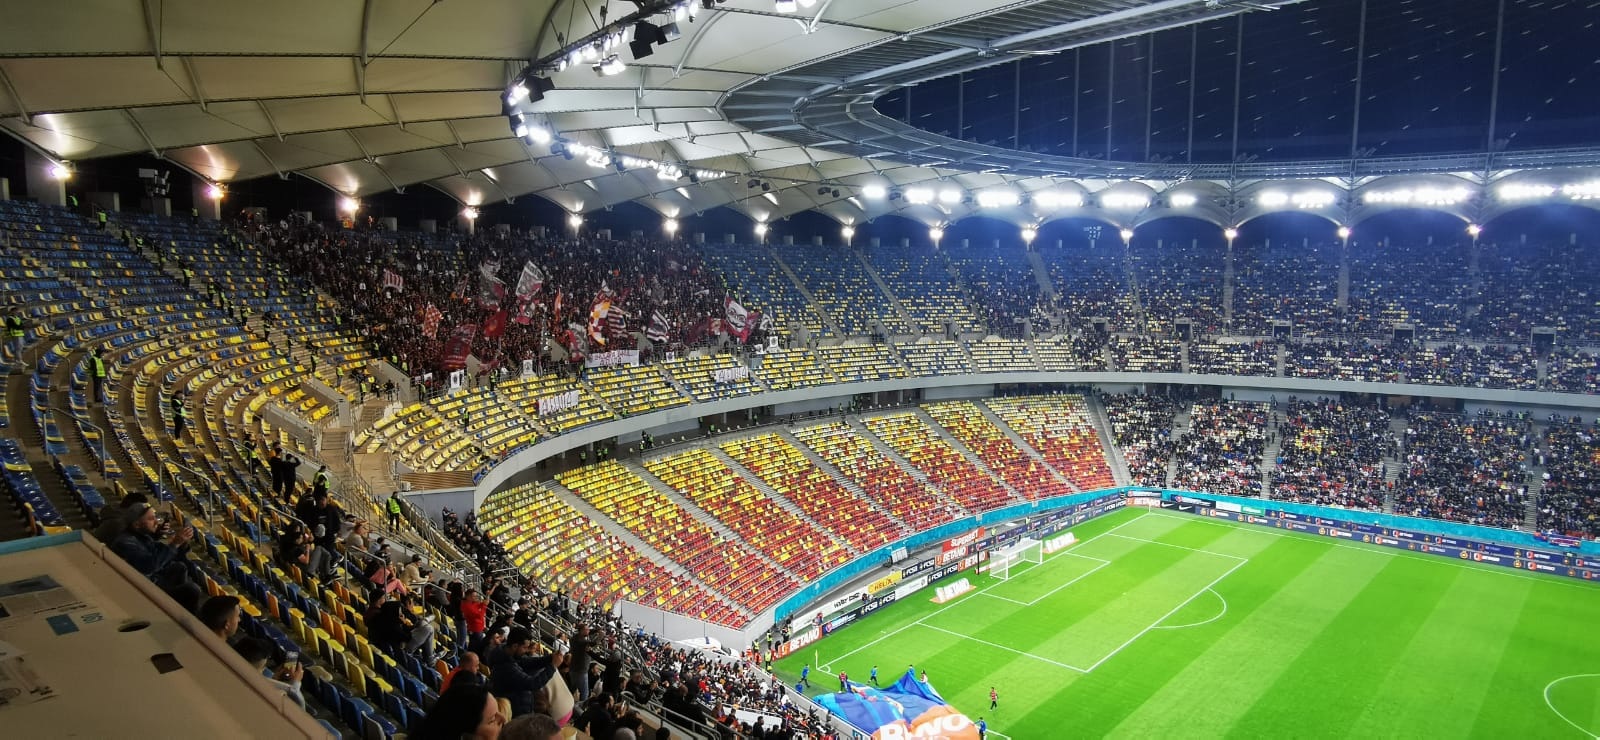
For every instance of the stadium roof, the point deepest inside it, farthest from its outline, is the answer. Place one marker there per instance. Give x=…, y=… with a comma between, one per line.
x=388, y=94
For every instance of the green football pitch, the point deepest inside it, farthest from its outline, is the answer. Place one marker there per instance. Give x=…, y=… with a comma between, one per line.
x=1165, y=625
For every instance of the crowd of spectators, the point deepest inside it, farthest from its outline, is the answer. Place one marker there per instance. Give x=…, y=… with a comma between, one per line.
x=1138, y=353
x=1092, y=284
x=1285, y=282
x=1467, y=366
x=447, y=273
x=1528, y=286
x=1426, y=285
x=1221, y=451
x=1258, y=357
x=1366, y=360
x=1180, y=282
x=1142, y=427
x=1002, y=284
x=1469, y=469
x=1332, y=454
x=1569, y=502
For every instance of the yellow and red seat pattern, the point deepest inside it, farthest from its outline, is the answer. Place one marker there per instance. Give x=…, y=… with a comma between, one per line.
x=1025, y=474
x=895, y=490
x=1059, y=428
x=973, y=488
x=787, y=470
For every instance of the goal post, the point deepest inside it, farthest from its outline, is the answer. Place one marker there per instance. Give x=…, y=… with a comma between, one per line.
x=1026, y=550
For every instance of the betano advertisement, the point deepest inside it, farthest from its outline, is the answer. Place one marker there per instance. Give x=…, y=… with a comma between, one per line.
x=908, y=709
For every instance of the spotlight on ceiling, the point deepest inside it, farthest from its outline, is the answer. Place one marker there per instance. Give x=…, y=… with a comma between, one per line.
x=875, y=192
x=528, y=87
x=610, y=66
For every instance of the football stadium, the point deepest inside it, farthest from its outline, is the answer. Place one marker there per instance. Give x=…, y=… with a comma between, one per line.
x=800, y=369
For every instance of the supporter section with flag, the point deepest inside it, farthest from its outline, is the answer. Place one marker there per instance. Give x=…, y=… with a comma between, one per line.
x=909, y=708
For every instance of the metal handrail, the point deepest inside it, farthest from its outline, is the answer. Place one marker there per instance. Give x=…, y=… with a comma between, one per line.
x=212, y=483
x=103, y=453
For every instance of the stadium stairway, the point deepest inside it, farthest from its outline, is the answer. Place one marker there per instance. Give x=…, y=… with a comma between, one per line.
x=783, y=502
x=704, y=516
x=1269, y=455
x=1102, y=428
x=19, y=393
x=811, y=300
x=843, y=480
x=1041, y=275
x=1022, y=444
x=1394, y=466
x=889, y=452
x=972, y=457
x=883, y=285
x=1180, y=427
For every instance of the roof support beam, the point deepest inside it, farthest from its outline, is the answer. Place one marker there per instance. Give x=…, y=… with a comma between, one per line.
x=395, y=109
x=15, y=98
x=360, y=147
x=454, y=135
x=194, y=82
x=385, y=173
x=366, y=29
x=361, y=79
x=152, y=28
x=142, y=133
x=270, y=120
x=274, y=165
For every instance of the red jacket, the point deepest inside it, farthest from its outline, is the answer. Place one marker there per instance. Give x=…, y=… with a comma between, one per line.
x=476, y=613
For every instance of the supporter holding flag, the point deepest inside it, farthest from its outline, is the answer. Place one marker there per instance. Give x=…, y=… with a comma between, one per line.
x=660, y=329
x=393, y=282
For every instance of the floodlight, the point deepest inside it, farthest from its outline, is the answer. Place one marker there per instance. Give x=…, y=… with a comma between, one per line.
x=785, y=6
x=875, y=192
x=215, y=191
x=575, y=220
x=919, y=196
x=1230, y=233
x=848, y=232
x=1028, y=234
x=1344, y=232
x=670, y=226
x=1273, y=198
x=935, y=233
x=60, y=172
x=1127, y=234
x=1474, y=230
x=611, y=65
x=349, y=205
x=761, y=229
x=1182, y=200
x=469, y=213
x=950, y=196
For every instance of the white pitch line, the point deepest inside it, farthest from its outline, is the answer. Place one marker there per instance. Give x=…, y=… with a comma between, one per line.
x=1376, y=550
x=1220, y=615
x=1575, y=725
x=1003, y=647
x=1180, y=547
x=953, y=603
x=1052, y=592
x=1163, y=618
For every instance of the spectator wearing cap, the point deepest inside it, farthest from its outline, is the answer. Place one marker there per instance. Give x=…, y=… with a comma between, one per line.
x=162, y=562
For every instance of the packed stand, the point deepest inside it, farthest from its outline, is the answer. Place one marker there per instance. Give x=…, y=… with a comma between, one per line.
x=1469, y=469
x=1426, y=285
x=1522, y=287
x=1363, y=360
x=1259, y=358
x=1572, y=370
x=1142, y=426
x=1569, y=502
x=1285, y=282
x=1221, y=452
x=1003, y=284
x=1092, y=283
x=1332, y=454
x=1180, y=282
x=1466, y=366
x=1146, y=354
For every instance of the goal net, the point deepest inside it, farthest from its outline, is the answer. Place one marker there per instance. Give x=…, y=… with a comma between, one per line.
x=1026, y=550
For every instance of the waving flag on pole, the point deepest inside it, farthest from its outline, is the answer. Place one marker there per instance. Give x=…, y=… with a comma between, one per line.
x=530, y=282
x=490, y=288
x=597, y=315
x=495, y=325
x=737, y=319
x=526, y=308
x=394, y=282
x=660, y=329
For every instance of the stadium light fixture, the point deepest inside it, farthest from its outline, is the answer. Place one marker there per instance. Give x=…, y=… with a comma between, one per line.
x=1474, y=230
x=1052, y=199
x=919, y=196
x=1029, y=234
x=575, y=221
x=1230, y=233
x=935, y=233
x=950, y=196
x=1344, y=232
x=610, y=66
x=349, y=205
x=998, y=199
x=670, y=226
x=875, y=192
x=215, y=191
x=1582, y=190
x=1127, y=235
x=1311, y=199
x=1182, y=200
x=469, y=213
x=1423, y=196
x=1273, y=199
x=60, y=171
x=1125, y=201
x=1525, y=191
x=761, y=230
x=848, y=232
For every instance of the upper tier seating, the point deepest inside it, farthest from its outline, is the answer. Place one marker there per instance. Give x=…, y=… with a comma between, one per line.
x=842, y=289
x=698, y=375
x=856, y=363
x=929, y=358
x=793, y=368
x=1177, y=282
x=926, y=291
x=765, y=287
x=1092, y=283
x=1003, y=285
x=639, y=389
x=995, y=355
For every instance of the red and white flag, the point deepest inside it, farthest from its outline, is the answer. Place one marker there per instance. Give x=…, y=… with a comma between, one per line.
x=598, y=310
x=394, y=282
x=430, y=321
x=737, y=319
x=660, y=329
